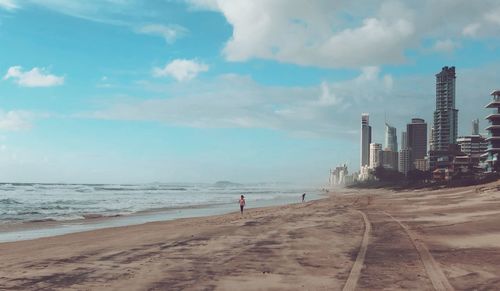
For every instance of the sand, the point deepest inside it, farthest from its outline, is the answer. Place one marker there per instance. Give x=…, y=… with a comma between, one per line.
x=353, y=240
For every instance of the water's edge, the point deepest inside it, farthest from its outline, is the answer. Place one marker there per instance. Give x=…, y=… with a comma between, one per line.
x=34, y=230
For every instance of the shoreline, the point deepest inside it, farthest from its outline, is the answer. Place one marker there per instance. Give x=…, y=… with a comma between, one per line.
x=11, y=232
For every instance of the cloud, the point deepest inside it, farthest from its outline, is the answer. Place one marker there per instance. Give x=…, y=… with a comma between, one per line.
x=493, y=15
x=8, y=5
x=36, y=77
x=107, y=11
x=471, y=29
x=204, y=4
x=169, y=32
x=328, y=98
x=181, y=69
x=335, y=34
x=15, y=120
x=445, y=46
x=235, y=101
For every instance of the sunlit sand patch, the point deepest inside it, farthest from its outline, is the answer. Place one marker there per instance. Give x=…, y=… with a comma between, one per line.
x=490, y=240
x=455, y=217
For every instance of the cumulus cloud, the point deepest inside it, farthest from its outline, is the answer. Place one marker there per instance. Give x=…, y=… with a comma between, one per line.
x=327, y=97
x=181, y=69
x=168, y=32
x=15, y=120
x=36, y=77
x=328, y=33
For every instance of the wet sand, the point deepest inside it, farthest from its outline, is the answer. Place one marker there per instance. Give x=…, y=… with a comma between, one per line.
x=358, y=240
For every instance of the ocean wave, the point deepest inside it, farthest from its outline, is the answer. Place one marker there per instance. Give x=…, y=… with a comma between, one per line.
x=9, y=201
x=100, y=215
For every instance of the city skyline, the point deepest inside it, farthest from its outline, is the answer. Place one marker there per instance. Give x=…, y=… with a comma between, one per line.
x=201, y=91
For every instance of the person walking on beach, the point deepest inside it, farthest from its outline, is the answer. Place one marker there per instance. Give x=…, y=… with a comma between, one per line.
x=242, y=203
x=303, y=197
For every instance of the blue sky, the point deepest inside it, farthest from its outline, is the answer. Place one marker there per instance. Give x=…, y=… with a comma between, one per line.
x=125, y=91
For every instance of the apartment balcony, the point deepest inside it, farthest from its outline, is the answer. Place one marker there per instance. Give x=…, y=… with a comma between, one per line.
x=497, y=138
x=493, y=116
x=493, y=127
x=493, y=104
x=493, y=149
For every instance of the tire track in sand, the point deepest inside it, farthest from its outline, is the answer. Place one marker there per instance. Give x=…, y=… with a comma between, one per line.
x=352, y=280
x=434, y=272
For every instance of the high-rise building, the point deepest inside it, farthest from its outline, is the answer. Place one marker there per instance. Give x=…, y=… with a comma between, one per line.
x=390, y=159
x=339, y=176
x=375, y=155
x=404, y=140
x=431, y=139
x=475, y=127
x=391, y=139
x=404, y=160
x=416, y=133
x=493, y=150
x=473, y=146
x=446, y=115
x=422, y=164
x=404, y=154
x=366, y=139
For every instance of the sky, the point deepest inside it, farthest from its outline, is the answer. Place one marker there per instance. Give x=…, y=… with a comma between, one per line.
x=130, y=91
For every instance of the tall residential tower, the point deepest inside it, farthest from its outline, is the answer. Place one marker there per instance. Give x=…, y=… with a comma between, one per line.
x=446, y=115
x=366, y=139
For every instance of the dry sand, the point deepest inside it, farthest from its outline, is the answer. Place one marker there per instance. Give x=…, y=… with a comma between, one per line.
x=358, y=240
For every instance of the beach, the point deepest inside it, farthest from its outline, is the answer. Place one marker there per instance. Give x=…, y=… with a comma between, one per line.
x=351, y=240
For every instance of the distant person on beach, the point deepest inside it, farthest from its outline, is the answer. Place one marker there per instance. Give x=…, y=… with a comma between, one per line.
x=303, y=197
x=242, y=203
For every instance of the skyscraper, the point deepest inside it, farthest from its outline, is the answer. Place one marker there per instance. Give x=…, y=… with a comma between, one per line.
x=404, y=160
x=431, y=139
x=475, y=127
x=446, y=115
x=404, y=154
x=391, y=139
x=416, y=139
x=366, y=139
x=404, y=140
x=375, y=155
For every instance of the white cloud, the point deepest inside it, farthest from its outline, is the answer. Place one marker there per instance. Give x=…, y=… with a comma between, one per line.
x=445, y=46
x=229, y=101
x=15, y=120
x=294, y=33
x=36, y=77
x=493, y=15
x=169, y=32
x=181, y=69
x=328, y=98
x=471, y=29
x=8, y=5
x=327, y=33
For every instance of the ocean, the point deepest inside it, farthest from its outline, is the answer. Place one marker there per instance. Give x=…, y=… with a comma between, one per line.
x=74, y=207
